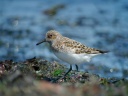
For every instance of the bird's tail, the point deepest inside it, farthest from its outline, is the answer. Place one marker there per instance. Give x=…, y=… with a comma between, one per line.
x=103, y=52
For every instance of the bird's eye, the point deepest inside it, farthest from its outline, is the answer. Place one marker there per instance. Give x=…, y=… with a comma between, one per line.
x=49, y=36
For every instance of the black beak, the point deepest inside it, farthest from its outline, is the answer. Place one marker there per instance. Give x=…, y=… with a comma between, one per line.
x=41, y=42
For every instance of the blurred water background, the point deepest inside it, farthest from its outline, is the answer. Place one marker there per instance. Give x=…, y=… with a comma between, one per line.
x=100, y=24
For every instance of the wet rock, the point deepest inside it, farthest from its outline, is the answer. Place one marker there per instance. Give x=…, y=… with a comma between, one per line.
x=2, y=69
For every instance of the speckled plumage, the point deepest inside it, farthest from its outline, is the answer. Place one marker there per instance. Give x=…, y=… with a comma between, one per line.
x=64, y=44
x=69, y=50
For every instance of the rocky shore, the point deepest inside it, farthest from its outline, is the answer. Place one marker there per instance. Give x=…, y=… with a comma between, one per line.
x=34, y=77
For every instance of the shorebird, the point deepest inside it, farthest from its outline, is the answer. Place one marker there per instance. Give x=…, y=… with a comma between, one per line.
x=69, y=50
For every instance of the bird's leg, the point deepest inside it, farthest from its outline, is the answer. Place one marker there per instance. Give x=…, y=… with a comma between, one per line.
x=68, y=71
x=76, y=67
x=54, y=81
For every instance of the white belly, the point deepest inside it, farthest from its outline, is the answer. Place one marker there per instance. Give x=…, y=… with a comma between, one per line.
x=74, y=58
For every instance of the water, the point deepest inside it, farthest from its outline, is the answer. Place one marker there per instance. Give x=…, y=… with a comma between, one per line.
x=97, y=23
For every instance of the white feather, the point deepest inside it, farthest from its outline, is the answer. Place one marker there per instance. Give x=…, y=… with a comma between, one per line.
x=74, y=58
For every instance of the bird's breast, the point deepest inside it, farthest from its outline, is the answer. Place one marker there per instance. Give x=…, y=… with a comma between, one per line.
x=72, y=58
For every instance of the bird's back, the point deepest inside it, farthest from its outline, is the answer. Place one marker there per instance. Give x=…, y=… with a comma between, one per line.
x=68, y=45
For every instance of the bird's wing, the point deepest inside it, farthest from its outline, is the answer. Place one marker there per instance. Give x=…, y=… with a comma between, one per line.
x=78, y=48
x=68, y=45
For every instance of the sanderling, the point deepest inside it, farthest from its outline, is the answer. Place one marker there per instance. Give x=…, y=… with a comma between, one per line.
x=69, y=50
